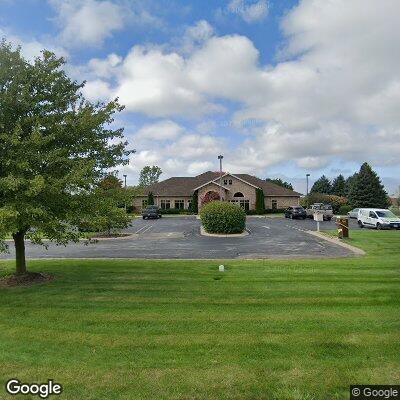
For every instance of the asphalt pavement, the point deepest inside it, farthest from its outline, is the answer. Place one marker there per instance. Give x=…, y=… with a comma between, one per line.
x=179, y=238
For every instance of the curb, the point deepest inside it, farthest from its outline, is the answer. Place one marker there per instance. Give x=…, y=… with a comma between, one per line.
x=234, y=235
x=338, y=242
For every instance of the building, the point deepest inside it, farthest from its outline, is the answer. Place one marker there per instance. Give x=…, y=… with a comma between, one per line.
x=241, y=189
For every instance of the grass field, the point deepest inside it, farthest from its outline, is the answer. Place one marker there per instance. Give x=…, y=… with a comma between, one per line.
x=287, y=330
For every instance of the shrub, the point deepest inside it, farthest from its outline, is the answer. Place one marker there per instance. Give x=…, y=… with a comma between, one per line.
x=343, y=210
x=209, y=197
x=223, y=217
x=175, y=211
x=335, y=201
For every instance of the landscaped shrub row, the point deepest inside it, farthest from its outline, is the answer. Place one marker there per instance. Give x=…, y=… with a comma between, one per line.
x=343, y=210
x=223, y=217
x=175, y=211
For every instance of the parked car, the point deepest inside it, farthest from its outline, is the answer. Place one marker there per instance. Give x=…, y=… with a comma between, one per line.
x=325, y=209
x=151, y=212
x=353, y=213
x=295, y=212
x=378, y=218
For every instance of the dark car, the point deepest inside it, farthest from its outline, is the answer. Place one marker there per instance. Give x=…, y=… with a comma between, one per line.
x=151, y=212
x=295, y=212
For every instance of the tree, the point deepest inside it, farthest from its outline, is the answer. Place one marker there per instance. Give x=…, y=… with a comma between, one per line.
x=194, y=207
x=339, y=186
x=54, y=149
x=322, y=185
x=367, y=190
x=150, y=199
x=260, y=204
x=111, y=181
x=149, y=175
x=209, y=197
x=349, y=182
x=281, y=183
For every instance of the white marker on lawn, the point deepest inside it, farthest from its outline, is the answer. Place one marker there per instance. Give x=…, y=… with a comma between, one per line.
x=221, y=268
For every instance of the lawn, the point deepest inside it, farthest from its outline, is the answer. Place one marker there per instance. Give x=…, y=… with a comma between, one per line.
x=287, y=330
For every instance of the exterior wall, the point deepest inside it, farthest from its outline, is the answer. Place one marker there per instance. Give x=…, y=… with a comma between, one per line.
x=282, y=201
x=249, y=192
x=137, y=201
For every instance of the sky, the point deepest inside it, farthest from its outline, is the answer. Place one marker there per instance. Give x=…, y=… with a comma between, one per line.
x=281, y=88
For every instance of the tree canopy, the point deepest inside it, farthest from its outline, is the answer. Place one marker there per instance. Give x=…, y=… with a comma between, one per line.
x=281, y=183
x=367, y=190
x=339, y=186
x=149, y=175
x=55, y=147
x=321, y=185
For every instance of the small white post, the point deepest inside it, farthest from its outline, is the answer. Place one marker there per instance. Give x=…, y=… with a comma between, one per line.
x=221, y=268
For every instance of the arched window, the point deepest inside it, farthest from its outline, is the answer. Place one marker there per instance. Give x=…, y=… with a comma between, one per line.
x=238, y=194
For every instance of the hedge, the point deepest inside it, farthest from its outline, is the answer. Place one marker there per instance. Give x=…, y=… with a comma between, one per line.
x=175, y=211
x=223, y=217
x=343, y=210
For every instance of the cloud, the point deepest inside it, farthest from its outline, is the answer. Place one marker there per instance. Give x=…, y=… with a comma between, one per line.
x=160, y=131
x=87, y=22
x=333, y=94
x=249, y=11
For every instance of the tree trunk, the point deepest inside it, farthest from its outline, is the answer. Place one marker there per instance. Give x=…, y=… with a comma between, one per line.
x=19, y=242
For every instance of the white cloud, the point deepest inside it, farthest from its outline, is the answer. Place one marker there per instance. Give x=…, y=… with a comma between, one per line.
x=87, y=22
x=249, y=11
x=196, y=35
x=96, y=90
x=333, y=95
x=160, y=131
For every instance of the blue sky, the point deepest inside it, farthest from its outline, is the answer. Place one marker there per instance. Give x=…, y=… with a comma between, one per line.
x=281, y=88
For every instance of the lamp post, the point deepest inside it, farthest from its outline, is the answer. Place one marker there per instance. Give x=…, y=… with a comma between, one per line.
x=220, y=157
x=307, y=175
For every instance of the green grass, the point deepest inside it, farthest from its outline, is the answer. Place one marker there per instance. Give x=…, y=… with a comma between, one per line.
x=290, y=330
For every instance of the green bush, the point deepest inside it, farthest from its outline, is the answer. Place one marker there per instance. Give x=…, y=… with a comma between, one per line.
x=223, y=217
x=343, y=210
x=175, y=211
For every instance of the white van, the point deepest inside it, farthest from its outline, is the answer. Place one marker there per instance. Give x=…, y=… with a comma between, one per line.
x=377, y=218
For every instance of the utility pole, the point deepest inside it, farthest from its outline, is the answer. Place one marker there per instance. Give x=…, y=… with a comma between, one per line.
x=307, y=175
x=220, y=157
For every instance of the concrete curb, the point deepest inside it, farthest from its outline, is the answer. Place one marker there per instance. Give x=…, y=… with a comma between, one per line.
x=338, y=242
x=234, y=235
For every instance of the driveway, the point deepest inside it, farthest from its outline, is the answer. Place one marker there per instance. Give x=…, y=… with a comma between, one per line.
x=179, y=238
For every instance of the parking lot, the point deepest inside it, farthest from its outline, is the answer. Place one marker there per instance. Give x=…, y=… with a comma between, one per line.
x=179, y=238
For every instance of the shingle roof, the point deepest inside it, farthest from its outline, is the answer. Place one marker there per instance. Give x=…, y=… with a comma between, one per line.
x=183, y=186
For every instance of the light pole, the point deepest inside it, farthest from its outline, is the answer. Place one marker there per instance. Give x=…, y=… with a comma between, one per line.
x=307, y=175
x=220, y=157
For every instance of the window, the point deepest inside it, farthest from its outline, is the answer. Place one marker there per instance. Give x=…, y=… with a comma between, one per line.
x=225, y=181
x=274, y=204
x=238, y=194
x=189, y=203
x=372, y=214
x=144, y=203
x=245, y=204
x=179, y=204
x=230, y=181
x=165, y=204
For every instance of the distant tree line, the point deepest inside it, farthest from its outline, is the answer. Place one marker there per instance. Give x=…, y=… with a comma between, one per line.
x=363, y=189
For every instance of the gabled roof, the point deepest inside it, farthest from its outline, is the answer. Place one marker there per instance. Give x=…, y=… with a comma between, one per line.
x=185, y=186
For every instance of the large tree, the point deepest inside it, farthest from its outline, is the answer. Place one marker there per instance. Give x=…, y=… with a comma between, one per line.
x=339, y=186
x=367, y=191
x=54, y=150
x=149, y=175
x=280, y=182
x=321, y=185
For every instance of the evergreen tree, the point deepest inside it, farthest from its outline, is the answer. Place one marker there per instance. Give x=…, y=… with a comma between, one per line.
x=260, y=204
x=281, y=183
x=367, y=190
x=349, y=182
x=322, y=185
x=150, y=199
x=194, y=208
x=339, y=186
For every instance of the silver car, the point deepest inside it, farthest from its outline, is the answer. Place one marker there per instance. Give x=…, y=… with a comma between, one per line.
x=353, y=213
